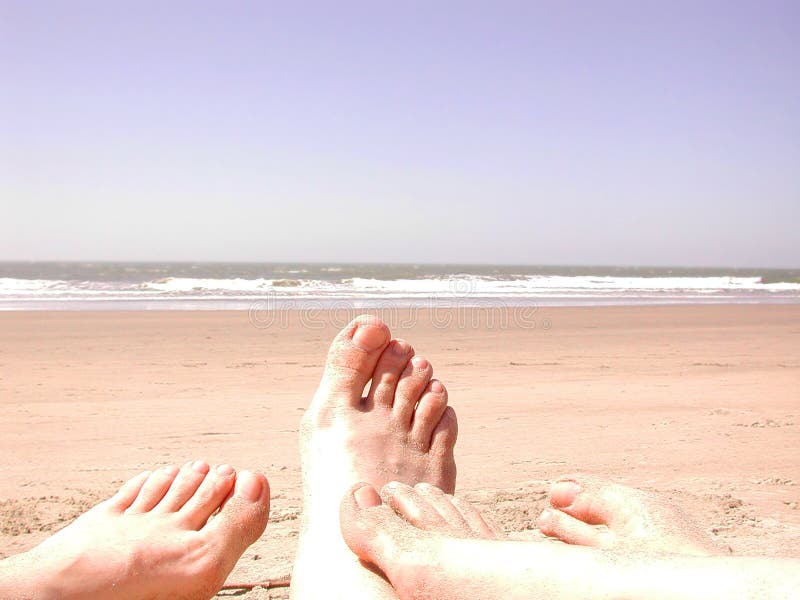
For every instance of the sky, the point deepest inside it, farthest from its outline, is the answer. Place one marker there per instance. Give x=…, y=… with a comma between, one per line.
x=596, y=132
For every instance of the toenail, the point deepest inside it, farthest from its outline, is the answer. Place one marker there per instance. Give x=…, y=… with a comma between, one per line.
x=200, y=467
x=437, y=387
x=368, y=337
x=563, y=493
x=367, y=497
x=171, y=470
x=546, y=514
x=248, y=486
x=225, y=470
x=419, y=363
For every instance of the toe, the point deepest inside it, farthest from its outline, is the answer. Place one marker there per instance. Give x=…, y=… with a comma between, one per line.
x=129, y=491
x=185, y=485
x=428, y=413
x=243, y=518
x=415, y=507
x=352, y=358
x=387, y=373
x=444, y=436
x=566, y=528
x=631, y=516
x=379, y=537
x=410, y=388
x=153, y=489
x=479, y=525
x=443, y=504
x=208, y=497
x=563, y=492
x=360, y=514
x=371, y=529
x=594, y=502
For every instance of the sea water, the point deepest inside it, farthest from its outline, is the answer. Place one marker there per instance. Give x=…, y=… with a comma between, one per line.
x=272, y=286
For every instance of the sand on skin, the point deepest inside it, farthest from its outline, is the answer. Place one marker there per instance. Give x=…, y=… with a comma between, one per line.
x=701, y=402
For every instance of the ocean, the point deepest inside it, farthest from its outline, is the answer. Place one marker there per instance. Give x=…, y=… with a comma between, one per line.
x=276, y=286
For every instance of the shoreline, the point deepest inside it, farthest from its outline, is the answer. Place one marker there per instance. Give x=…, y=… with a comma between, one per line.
x=261, y=304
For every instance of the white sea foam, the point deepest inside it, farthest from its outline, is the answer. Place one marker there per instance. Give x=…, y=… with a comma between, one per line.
x=545, y=284
x=441, y=290
x=185, y=284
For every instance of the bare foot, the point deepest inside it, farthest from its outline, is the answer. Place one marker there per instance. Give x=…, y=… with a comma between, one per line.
x=153, y=539
x=401, y=430
x=430, y=545
x=424, y=560
x=632, y=518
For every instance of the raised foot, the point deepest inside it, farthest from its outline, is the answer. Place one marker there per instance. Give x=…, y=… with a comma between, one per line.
x=401, y=429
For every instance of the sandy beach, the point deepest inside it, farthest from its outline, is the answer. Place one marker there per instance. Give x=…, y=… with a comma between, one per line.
x=701, y=402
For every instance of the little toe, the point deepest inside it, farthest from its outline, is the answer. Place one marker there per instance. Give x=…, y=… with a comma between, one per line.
x=129, y=491
x=352, y=358
x=153, y=489
x=428, y=413
x=185, y=485
x=243, y=518
x=410, y=388
x=480, y=526
x=208, y=497
x=387, y=373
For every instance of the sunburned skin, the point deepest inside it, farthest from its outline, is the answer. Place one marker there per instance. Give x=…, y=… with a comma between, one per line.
x=155, y=538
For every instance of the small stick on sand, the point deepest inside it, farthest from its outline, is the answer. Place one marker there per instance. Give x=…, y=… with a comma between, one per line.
x=267, y=585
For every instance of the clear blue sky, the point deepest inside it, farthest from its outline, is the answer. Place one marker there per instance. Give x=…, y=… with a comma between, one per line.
x=658, y=133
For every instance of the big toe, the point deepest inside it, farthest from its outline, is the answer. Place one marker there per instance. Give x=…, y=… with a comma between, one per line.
x=597, y=503
x=372, y=530
x=242, y=519
x=352, y=358
x=381, y=538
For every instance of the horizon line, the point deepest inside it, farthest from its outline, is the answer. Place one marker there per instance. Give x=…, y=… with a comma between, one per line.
x=392, y=263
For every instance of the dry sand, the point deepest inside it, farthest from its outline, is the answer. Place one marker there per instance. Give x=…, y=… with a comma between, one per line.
x=700, y=402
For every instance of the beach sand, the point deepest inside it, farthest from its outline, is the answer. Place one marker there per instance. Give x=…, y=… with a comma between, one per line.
x=700, y=402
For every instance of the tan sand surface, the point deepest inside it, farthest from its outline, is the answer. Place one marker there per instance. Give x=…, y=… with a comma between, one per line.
x=701, y=402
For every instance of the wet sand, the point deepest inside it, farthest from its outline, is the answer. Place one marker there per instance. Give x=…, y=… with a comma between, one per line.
x=701, y=402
